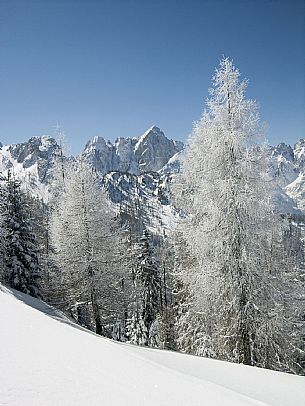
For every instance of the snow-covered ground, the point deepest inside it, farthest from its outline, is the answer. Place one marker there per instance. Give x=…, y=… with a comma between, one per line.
x=46, y=360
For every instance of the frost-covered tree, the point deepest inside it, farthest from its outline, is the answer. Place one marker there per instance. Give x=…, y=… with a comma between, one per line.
x=136, y=332
x=49, y=285
x=147, y=294
x=2, y=230
x=82, y=228
x=235, y=284
x=21, y=249
x=191, y=332
x=164, y=327
x=136, y=329
x=61, y=153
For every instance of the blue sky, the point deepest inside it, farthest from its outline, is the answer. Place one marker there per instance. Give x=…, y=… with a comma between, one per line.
x=114, y=68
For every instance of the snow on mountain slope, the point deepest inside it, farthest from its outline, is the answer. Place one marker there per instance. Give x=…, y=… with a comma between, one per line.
x=46, y=362
x=146, y=153
x=142, y=199
x=296, y=190
x=153, y=150
x=32, y=162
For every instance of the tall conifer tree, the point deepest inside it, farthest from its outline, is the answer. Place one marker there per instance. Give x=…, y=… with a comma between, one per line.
x=21, y=248
x=229, y=229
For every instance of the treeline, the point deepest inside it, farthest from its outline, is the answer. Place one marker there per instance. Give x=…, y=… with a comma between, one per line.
x=227, y=282
x=79, y=253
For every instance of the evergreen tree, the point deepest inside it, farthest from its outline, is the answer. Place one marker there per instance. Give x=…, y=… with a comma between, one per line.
x=233, y=281
x=147, y=294
x=136, y=329
x=165, y=323
x=22, y=267
x=3, y=270
x=49, y=283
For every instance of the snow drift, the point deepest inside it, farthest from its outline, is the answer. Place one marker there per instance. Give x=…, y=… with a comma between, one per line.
x=47, y=360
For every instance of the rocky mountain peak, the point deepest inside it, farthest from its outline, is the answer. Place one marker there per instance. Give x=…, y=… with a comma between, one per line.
x=151, y=154
x=152, y=132
x=146, y=153
x=299, y=152
x=31, y=162
x=96, y=143
x=35, y=147
x=284, y=151
x=154, y=149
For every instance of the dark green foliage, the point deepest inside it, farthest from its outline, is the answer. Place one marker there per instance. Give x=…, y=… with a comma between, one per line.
x=21, y=257
x=148, y=274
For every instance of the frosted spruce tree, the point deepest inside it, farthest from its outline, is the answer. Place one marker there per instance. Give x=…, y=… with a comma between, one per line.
x=145, y=304
x=164, y=327
x=3, y=271
x=22, y=271
x=232, y=282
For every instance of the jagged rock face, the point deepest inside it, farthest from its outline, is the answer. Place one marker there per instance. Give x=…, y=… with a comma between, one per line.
x=106, y=157
x=124, y=157
x=283, y=150
x=31, y=162
x=296, y=191
x=141, y=163
x=144, y=200
x=173, y=165
x=289, y=173
x=98, y=154
x=147, y=153
x=153, y=150
x=39, y=151
x=299, y=154
x=283, y=166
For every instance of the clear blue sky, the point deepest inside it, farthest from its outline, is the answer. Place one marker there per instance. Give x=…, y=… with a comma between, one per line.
x=114, y=68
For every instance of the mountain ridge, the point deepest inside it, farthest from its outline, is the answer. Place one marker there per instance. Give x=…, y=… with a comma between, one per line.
x=150, y=153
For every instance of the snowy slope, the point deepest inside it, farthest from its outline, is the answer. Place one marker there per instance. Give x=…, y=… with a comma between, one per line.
x=45, y=360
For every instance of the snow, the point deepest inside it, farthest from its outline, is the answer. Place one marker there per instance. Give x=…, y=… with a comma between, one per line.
x=48, y=360
x=173, y=165
x=27, y=175
x=296, y=190
x=46, y=142
x=151, y=151
x=142, y=138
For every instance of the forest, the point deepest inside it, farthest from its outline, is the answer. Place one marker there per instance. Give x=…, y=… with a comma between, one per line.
x=225, y=281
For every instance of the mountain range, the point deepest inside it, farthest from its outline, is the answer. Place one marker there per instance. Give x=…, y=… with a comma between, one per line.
x=141, y=168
